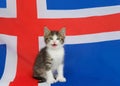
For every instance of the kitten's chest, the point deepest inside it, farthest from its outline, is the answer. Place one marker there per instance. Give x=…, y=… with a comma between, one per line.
x=57, y=55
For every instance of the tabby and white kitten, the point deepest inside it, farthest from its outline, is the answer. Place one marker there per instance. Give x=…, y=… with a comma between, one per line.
x=51, y=58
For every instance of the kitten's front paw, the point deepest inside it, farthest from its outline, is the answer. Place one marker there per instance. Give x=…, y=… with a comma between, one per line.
x=61, y=79
x=51, y=81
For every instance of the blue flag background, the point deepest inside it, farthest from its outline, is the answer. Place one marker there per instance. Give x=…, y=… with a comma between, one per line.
x=2, y=3
x=79, y=4
x=92, y=64
x=2, y=58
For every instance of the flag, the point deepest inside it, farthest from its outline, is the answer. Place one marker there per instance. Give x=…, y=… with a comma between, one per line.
x=8, y=59
x=91, y=45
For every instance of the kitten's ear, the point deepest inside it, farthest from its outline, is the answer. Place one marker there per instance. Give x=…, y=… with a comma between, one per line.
x=63, y=31
x=46, y=31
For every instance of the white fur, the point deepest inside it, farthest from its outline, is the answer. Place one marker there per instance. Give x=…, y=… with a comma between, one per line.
x=57, y=54
x=50, y=77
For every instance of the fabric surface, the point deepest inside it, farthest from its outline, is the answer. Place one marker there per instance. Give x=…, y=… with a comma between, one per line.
x=92, y=43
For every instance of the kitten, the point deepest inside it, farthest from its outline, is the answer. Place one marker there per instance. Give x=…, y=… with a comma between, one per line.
x=51, y=58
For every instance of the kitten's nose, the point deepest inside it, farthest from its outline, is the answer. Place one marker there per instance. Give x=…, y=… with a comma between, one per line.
x=54, y=42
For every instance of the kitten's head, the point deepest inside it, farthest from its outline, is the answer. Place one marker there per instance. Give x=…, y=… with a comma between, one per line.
x=54, y=39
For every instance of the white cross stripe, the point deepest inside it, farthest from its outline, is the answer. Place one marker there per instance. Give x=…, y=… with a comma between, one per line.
x=42, y=11
x=11, y=59
x=87, y=38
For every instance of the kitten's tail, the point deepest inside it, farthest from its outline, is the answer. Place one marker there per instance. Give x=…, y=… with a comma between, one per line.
x=41, y=79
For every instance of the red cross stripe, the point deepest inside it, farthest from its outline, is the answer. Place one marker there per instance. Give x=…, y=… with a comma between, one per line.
x=27, y=27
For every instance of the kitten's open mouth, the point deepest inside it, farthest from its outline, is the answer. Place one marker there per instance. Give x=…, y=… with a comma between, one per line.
x=54, y=45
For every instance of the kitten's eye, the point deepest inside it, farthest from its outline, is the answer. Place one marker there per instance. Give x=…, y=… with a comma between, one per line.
x=51, y=38
x=58, y=38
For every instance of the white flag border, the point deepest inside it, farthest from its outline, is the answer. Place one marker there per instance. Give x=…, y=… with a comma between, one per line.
x=11, y=59
x=42, y=11
x=10, y=11
x=87, y=38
